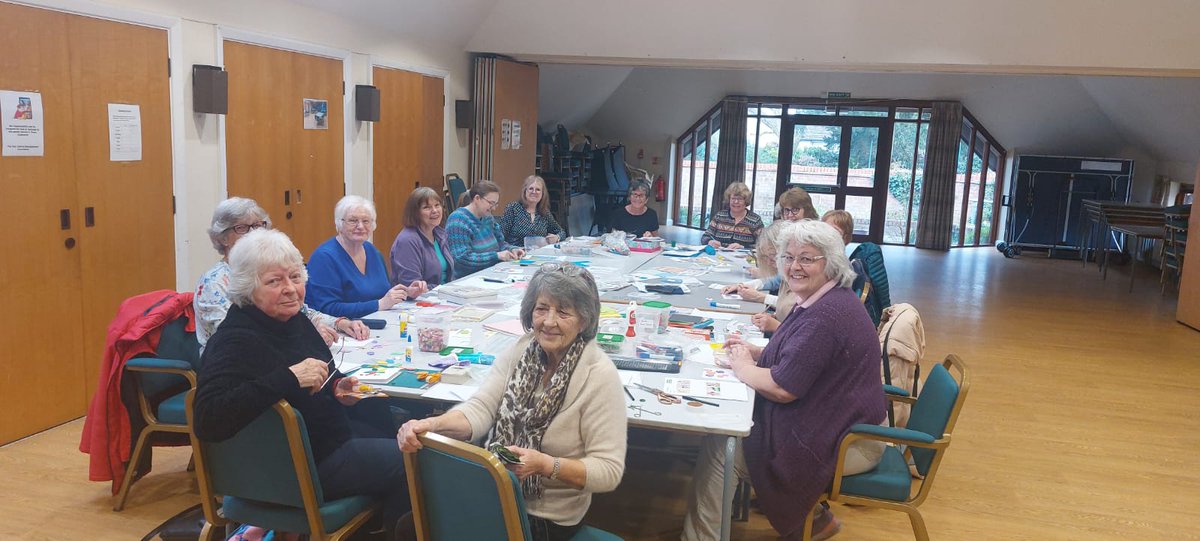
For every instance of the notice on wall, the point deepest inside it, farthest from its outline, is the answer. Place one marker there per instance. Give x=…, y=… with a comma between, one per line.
x=516, y=135
x=505, y=134
x=21, y=121
x=315, y=114
x=124, y=132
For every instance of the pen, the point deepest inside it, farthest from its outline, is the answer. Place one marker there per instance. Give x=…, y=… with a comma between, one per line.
x=686, y=397
x=716, y=304
x=495, y=280
x=629, y=393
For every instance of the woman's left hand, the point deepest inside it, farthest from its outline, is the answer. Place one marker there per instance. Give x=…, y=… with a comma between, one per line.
x=534, y=462
x=734, y=246
x=416, y=289
x=740, y=358
x=551, y=239
x=344, y=391
x=354, y=329
x=329, y=334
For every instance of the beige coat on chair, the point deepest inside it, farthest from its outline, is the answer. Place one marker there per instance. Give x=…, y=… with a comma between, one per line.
x=902, y=336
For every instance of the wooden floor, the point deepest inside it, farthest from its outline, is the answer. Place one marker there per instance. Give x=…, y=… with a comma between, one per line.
x=1082, y=423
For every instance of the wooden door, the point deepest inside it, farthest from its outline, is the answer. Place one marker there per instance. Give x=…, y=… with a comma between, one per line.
x=407, y=145
x=42, y=367
x=127, y=217
x=295, y=174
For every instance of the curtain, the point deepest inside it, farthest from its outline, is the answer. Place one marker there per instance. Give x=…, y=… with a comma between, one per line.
x=731, y=154
x=941, y=167
x=483, y=96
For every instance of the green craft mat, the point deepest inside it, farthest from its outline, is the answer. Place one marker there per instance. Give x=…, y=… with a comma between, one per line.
x=408, y=378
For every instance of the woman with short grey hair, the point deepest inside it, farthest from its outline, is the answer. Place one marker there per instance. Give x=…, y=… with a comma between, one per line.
x=349, y=277
x=267, y=351
x=817, y=377
x=554, y=399
x=233, y=219
x=636, y=217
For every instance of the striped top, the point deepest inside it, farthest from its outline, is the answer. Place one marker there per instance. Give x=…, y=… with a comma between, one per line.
x=723, y=229
x=473, y=241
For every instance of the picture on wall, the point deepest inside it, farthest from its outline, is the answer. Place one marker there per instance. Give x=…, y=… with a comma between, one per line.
x=315, y=114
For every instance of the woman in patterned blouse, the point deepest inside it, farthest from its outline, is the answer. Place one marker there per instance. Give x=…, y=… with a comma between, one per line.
x=735, y=226
x=530, y=216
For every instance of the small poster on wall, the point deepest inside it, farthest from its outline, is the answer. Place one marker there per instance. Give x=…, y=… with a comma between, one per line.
x=124, y=132
x=505, y=134
x=516, y=135
x=22, y=123
x=315, y=114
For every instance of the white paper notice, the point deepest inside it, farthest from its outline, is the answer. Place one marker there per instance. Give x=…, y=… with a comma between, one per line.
x=516, y=135
x=124, y=132
x=505, y=134
x=21, y=113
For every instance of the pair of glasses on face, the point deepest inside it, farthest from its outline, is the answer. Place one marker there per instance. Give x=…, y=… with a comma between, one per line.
x=568, y=269
x=803, y=260
x=792, y=212
x=355, y=222
x=491, y=202
x=242, y=229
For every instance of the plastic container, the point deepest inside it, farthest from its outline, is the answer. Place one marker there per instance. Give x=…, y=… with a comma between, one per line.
x=576, y=248
x=534, y=242
x=656, y=312
x=432, y=333
x=610, y=342
x=644, y=245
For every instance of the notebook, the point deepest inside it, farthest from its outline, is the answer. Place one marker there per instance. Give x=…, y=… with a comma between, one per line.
x=511, y=326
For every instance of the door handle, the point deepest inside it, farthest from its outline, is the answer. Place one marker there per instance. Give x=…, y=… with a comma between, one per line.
x=287, y=197
x=299, y=197
x=89, y=216
x=64, y=219
x=69, y=243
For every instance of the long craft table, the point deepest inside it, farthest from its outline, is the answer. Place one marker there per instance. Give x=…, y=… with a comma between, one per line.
x=732, y=418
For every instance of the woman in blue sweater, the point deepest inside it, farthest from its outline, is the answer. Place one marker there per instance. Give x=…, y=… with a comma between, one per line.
x=346, y=274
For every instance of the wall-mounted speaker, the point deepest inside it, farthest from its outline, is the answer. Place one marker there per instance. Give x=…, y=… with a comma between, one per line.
x=366, y=103
x=464, y=114
x=210, y=89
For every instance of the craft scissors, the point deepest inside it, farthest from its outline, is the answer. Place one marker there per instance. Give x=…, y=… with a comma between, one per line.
x=663, y=397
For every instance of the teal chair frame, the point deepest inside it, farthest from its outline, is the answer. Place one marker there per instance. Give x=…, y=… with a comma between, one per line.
x=155, y=376
x=460, y=491
x=924, y=440
x=268, y=478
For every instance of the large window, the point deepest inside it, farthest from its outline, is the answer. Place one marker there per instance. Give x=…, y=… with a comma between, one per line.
x=842, y=153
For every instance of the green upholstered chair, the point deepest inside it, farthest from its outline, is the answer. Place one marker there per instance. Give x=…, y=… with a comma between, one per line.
x=457, y=188
x=158, y=385
x=267, y=478
x=924, y=440
x=460, y=491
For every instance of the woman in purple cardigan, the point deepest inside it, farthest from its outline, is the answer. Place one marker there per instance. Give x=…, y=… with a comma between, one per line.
x=420, y=251
x=817, y=377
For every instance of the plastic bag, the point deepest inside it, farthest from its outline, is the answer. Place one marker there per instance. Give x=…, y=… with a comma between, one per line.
x=615, y=243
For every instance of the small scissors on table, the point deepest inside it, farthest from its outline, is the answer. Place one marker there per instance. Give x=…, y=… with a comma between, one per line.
x=663, y=398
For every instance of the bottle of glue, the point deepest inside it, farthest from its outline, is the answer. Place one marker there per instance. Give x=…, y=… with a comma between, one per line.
x=408, y=350
x=630, y=332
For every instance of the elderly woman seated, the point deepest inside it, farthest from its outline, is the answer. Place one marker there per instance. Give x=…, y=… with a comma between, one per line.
x=554, y=399
x=265, y=351
x=349, y=277
x=232, y=219
x=817, y=377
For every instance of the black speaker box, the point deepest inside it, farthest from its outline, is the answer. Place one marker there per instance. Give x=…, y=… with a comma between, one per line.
x=464, y=114
x=366, y=103
x=210, y=89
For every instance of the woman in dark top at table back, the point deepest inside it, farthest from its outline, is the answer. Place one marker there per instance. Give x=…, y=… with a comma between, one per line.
x=636, y=218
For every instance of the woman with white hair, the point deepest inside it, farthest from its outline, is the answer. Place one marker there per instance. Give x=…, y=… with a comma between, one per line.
x=554, y=399
x=233, y=219
x=348, y=275
x=817, y=377
x=266, y=351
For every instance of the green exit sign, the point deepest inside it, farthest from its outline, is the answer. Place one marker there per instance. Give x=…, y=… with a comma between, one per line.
x=837, y=95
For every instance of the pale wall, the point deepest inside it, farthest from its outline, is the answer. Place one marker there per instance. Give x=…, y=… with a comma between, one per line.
x=201, y=187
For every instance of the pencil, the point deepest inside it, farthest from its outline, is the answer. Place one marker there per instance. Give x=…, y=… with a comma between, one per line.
x=713, y=404
x=629, y=393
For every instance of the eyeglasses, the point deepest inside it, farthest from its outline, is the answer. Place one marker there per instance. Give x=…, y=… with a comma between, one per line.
x=491, y=202
x=791, y=212
x=637, y=195
x=569, y=269
x=242, y=229
x=355, y=223
x=737, y=198
x=804, y=261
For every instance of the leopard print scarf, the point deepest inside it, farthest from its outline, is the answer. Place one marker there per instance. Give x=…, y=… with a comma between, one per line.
x=524, y=416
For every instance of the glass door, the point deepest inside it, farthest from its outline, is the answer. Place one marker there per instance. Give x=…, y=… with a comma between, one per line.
x=841, y=162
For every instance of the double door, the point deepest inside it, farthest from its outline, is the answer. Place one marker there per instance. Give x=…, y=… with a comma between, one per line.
x=84, y=232
x=842, y=162
x=292, y=168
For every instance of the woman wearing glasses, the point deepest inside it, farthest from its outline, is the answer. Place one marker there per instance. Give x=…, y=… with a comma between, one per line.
x=734, y=226
x=232, y=219
x=554, y=400
x=475, y=239
x=266, y=351
x=636, y=218
x=795, y=205
x=817, y=377
x=530, y=216
x=347, y=272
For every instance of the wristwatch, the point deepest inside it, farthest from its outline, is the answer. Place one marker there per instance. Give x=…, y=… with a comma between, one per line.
x=554, y=471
